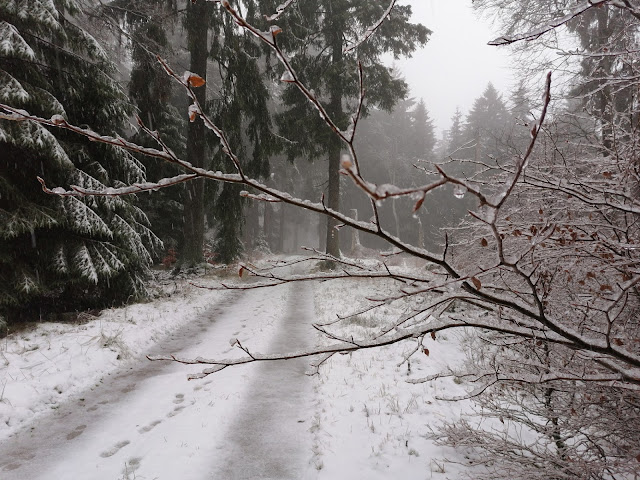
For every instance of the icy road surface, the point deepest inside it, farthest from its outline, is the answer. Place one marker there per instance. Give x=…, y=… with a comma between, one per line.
x=149, y=422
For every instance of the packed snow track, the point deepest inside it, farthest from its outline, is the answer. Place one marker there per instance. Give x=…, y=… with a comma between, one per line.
x=149, y=422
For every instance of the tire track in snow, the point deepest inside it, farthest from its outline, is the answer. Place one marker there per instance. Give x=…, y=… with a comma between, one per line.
x=33, y=449
x=269, y=437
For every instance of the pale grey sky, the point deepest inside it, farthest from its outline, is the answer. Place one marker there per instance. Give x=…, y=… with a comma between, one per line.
x=455, y=66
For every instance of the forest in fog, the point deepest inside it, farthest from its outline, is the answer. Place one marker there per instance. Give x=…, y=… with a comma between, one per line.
x=106, y=81
x=139, y=135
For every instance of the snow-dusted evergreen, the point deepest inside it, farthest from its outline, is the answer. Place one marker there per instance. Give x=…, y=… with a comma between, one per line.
x=63, y=252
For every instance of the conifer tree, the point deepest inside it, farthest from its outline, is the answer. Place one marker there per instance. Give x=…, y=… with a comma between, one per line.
x=601, y=31
x=423, y=138
x=153, y=92
x=66, y=252
x=242, y=110
x=520, y=113
x=319, y=33
x=485, y=124
x=235, y=96
x=597, y=36
x=455, y=136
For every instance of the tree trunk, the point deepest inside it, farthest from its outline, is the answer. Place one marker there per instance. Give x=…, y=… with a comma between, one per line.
x=322, y=228
x=420, y=232
x=355, y=234
x=252, y=225
x=267, y=225
x=337, y=26
x=607, y=105
x=333, y=201
x=283, y=214
x=197, y=28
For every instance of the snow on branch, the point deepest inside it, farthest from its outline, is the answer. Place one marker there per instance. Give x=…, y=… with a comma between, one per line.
x=511, y=287
x=352, y=345
x=371, y=30
x=280, y=9
x=539, y=31
x=273, y=279
x=77, y=191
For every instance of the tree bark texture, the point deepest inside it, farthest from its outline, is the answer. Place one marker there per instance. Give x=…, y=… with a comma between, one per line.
x=197, y=28
x=336, y=88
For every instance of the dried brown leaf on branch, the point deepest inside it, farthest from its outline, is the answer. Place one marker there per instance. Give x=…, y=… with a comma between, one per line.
x=419, y=203
x=195, y=80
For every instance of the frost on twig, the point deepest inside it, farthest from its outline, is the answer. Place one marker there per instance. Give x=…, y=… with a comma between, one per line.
x=280, y=9
x=372, y=29
x=539, y=31
x=503, y=274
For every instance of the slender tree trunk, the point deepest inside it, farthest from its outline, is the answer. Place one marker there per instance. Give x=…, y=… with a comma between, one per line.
x=355, y=234
x=283, y=214
x=420, y=233
x=197, y=28
x=322, y=228
x=252, y=226
x=394, y=210
x=552, y=415
x=267, y=225
x=333, y=202
x=296, y=234
x=336, y=88
x=607, y=105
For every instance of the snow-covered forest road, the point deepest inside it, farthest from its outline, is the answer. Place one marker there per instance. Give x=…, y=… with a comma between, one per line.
x=148, y=422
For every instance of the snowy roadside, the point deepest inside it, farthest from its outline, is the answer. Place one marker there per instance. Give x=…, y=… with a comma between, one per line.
x=42, y=367
x=366, y=421
x=369, y=422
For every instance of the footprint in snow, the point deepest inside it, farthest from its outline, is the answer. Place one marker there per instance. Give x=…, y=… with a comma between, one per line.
x=176, y=411
x=113, y=450
x=129, y=388
x=76, y=432
x=131, y=466
x=179, y=398
x=151, y=426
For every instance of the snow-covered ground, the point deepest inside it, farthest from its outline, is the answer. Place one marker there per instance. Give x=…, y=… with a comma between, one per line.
x=362, y=420
x=370, y=423
x=40, y=368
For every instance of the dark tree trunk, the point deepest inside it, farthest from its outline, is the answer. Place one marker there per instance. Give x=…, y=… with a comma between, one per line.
x=197, y=28
x=335, y=110
x=252, y=225
x=333, y=201
x=322, y=228
x=267, y=225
